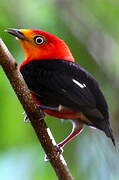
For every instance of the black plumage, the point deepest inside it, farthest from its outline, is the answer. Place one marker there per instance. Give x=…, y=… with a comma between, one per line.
x=60, y=82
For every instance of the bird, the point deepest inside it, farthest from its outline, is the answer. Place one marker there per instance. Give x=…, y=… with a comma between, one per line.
x=59, y=85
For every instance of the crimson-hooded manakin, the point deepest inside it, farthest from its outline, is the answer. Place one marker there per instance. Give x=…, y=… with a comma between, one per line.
x=59, y=85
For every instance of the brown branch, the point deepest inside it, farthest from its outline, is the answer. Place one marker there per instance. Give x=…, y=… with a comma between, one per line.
x=10, y=68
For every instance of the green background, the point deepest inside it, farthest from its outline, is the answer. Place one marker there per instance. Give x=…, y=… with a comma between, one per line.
x=91, y=29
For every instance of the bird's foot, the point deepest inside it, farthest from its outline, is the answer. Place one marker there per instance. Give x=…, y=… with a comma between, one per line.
x=59, y=151
x=26, y=119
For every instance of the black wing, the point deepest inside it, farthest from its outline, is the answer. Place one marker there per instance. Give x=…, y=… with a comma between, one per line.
x=60, y=82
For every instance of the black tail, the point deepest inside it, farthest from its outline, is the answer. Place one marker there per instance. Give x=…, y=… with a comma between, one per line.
x=105, y=126
x=109, y=133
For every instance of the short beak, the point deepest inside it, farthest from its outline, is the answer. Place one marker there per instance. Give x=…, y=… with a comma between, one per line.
x=17, y=33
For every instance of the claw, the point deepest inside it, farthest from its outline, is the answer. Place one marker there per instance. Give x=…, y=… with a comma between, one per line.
x=46, y=158
x=59, y=149
x=26, y=119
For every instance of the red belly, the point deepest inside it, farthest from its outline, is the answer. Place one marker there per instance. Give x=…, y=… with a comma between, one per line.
x=65, y=114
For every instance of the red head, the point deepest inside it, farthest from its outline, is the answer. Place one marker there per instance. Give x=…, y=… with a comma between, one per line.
x=38, y=44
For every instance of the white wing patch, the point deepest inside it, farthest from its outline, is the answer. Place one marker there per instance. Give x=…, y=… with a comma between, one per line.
x=64, y=90
x=78, y=83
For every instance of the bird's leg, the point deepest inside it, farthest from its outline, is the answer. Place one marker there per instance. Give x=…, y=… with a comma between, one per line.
x=77, y=128
x=48, y=108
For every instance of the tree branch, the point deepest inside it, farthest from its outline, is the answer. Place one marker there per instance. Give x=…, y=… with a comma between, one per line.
x=10, y=68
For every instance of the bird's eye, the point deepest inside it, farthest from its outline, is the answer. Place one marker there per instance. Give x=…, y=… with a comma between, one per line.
x=39, y=39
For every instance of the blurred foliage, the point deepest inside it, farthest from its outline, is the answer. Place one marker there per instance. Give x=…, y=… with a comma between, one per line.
x=91, y=30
